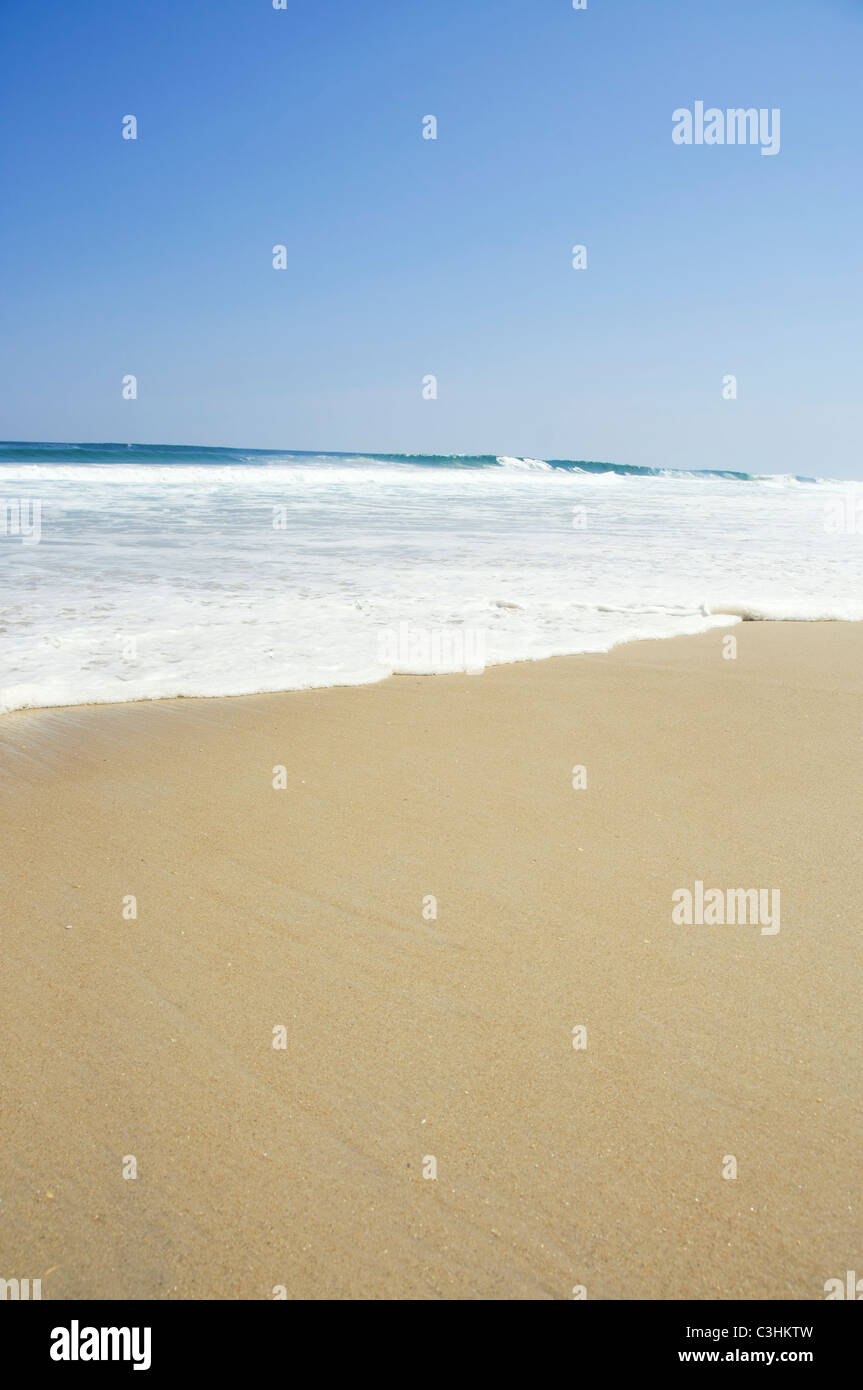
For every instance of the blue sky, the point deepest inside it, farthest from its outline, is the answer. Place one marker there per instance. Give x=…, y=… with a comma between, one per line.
x=409, y=257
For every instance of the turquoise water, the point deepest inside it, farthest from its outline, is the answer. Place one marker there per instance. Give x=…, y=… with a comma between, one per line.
x=201, y=455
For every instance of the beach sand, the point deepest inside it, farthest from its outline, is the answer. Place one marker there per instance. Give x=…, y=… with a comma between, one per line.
x=410, y=1037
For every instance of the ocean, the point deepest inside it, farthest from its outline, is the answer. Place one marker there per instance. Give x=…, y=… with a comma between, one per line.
x=134, y=572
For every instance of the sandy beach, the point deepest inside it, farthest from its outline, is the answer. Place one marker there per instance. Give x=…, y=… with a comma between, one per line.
x=418, y=1030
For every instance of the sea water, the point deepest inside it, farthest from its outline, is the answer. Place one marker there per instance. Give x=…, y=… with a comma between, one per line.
x=133, y=572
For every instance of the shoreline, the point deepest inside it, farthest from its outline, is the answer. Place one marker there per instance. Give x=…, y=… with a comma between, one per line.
x=732, y=616
x=732, y=620
x=411, y=1036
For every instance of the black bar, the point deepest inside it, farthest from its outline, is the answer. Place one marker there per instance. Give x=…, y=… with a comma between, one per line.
x=225, y=1338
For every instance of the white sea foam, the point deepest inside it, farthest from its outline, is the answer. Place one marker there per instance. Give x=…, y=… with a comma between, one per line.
x=524, y=465
x=156, y=580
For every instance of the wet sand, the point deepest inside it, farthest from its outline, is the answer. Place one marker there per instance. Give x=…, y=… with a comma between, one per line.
x=411, y=1037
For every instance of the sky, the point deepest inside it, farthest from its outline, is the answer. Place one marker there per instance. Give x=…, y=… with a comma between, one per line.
x=409, y=257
